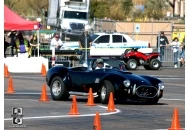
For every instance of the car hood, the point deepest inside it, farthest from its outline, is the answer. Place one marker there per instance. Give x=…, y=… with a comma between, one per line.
x=137, y=79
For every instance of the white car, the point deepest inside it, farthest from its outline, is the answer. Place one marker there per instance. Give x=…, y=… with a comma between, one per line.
x=110, y=44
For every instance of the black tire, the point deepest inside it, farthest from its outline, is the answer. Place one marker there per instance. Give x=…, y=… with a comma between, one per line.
x=63, y=93
x=132, y=64
x=106, y=89
x=147, y=67
x=155, y=64
x=152, y=101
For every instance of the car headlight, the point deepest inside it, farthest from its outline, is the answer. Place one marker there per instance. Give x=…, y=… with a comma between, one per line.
x=161, y=85
x=127, y=83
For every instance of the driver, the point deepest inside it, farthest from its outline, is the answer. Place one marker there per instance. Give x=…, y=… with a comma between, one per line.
x=99, y=64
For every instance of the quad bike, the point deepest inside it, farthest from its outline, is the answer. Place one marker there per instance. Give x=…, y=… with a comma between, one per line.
x=134, y=58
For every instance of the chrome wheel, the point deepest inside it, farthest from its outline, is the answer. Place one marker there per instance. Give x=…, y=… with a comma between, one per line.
x=103, y=92
x=155, y=64
x=133, y=65
x=56, y=88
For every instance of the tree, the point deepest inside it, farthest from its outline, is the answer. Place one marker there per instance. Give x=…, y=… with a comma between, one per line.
x=155, y=9
x=127, y=6
x=39, y=6
x=11, y=3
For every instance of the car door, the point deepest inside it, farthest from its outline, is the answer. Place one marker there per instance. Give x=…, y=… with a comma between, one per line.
x=101, y=46
x=119, y=43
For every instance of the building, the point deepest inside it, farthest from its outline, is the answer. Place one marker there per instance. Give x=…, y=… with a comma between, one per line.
x=177, y=7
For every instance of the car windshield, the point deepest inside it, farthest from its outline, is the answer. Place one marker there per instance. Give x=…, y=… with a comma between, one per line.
x=75, y=15
x=94, y=36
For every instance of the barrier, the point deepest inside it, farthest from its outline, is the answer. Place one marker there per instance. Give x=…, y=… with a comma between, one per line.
x=25, y=65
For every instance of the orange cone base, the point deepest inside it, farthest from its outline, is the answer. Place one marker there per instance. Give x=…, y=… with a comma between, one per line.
x=74, y=114
x=44, y=100
x=90, y=105
x=175, y=129
x=10, y=92
x=111, y=110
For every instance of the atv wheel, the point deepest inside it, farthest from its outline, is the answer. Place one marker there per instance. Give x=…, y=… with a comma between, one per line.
x=58, y=89
x=155, y=64
x=132, y=64
x=147, y=67
x=106, y=89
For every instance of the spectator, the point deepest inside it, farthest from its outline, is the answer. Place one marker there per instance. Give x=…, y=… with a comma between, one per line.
x=163, y=42
x=6, y=44
x=22, y=45
x=182, y=53
x=34, y=46
x=12, y=35
x=99, y=64
x=175, y=46
x=81, y=42
x=56, y=42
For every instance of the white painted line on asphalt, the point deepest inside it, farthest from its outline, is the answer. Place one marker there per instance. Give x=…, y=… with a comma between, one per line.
x=170, y=78
x=67, y=116
x=26, y=93
x=27, y=76
x=175, y=84
x=172, y=99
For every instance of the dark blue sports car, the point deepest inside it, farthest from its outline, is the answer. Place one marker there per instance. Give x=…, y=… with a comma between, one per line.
x=124, y=85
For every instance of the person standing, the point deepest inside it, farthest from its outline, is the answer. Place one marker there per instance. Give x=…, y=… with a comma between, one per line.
x=22, y=45
x=82, y=39
x=175, y=46
x=34, y=45
x=56, y=42
x=12, y=36
x=163, y=42
x=6, y=44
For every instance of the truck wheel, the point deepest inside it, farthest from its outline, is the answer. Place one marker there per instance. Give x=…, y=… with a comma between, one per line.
x=131, y=64
x=58, y=89
x=147, y=67
x=155, y=64
x=106, y=89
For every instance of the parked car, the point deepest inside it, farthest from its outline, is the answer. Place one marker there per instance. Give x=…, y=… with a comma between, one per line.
x=134, y=58
x=65, y=81
x=109, y=44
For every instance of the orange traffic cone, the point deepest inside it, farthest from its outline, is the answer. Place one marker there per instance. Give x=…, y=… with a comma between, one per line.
x=10, y=86
x=74, y=108
x=43, y=70
x=97, y=124
x=111, y=106
x=90, y=99
x=6, y=71
x=44, y=96
x=175, y=121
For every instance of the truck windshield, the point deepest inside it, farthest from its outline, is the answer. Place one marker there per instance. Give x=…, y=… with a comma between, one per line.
x=75, y=15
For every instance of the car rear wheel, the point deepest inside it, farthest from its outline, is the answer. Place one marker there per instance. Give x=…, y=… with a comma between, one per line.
x=131, y=64
x=155, y=64
x=106, y=89
x=58, y=89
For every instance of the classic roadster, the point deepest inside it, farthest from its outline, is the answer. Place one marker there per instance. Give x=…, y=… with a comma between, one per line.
x=125, y=85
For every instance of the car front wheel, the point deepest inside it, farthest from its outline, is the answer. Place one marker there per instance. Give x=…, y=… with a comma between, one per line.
x=106, y=89
x=58, y=89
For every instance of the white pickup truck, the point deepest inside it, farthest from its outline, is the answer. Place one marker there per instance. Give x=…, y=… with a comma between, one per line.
x=111, y=44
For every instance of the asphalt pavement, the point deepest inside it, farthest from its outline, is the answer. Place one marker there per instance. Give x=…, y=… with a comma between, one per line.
x=53, y=115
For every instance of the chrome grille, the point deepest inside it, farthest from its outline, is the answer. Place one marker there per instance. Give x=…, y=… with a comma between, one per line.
x=146, y=91
x=77, y=26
